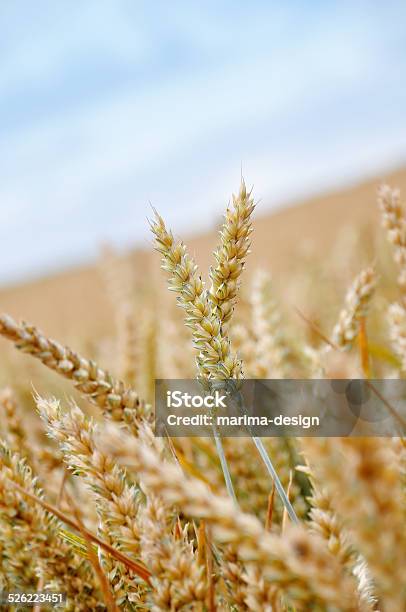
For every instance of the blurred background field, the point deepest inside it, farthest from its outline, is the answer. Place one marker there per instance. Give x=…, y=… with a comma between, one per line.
x=110, y=109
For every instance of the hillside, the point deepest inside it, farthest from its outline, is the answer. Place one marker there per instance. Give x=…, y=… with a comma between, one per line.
x=72, y=302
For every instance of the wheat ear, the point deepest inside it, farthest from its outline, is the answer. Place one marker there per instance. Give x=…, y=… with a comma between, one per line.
x=356, y=306
x=34, y=534
x=272, y=351
x=14, y=427
x=117, y=501
x=230, y=255
x=375, y=522
x=397, y=331
x=393, y=221
x=178, y=579
x=214, y=354
x=97, y=385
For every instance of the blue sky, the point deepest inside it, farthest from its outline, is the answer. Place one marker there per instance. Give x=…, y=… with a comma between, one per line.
x=106, y=106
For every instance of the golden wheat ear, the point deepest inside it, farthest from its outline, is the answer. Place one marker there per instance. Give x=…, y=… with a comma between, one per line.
x=34, y=546
x=357, y=302
x=273, y=356
x=376, y=522
x=214, y=359
x=119, y=291
x=397, y=332
x=393, y=220
x=117, y=499
x=231, y=254
x=117, y=401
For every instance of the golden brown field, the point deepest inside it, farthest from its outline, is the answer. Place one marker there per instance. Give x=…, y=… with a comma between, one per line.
x=93, y=505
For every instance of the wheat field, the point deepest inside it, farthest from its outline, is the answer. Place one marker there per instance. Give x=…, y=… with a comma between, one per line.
x=93, y=505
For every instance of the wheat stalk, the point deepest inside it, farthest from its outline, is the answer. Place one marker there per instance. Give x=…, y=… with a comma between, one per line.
x=15, y=432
